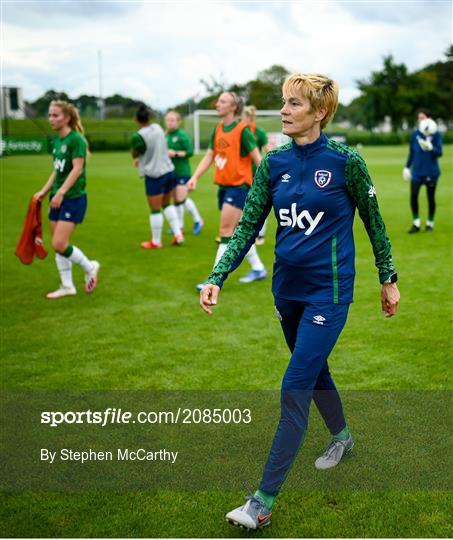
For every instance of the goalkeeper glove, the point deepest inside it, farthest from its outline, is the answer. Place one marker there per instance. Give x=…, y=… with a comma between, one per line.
x=407, y=174
x=425, y=144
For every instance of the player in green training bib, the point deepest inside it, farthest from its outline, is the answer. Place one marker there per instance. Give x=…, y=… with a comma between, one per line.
x=180, y=149
x=68, y=199
x=232, y=149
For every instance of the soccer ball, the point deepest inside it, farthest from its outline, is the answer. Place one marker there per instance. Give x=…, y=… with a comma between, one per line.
x=427, y=127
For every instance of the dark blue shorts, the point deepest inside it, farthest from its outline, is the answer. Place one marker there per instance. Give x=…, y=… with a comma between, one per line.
x=427, y=180
x=232, y=195
x=182, y=180
x=70, y=210
x=161, y=185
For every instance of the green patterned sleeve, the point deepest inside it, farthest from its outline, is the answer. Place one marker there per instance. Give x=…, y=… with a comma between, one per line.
x=256, y=209
x=363, y=193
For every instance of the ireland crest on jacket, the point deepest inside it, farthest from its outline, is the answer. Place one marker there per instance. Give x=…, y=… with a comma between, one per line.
x=323, y=178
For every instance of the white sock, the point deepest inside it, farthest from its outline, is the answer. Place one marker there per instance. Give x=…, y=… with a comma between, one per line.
x=429, y=223
x=193, y=210
x=156, y=222
x=180, y=213
x=262, y=233
x=417, y=222
x=64, y=266
x=77, y=256
x=254, y=260
x=220, y=251
x=172, y=218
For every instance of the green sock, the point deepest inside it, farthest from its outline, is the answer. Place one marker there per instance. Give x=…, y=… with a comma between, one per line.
x=343, y=435
x=68, y=251
x=267, y=498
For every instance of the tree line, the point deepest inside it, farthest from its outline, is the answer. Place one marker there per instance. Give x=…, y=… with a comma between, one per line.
x=392, y=92
x=115, y=106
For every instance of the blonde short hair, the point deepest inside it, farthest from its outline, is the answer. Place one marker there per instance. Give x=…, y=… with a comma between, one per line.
x=321, y=92
x=176, y=113
x=250, y=110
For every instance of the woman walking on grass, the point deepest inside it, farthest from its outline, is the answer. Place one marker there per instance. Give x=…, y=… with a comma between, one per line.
x=314, y=186
x=68, y=198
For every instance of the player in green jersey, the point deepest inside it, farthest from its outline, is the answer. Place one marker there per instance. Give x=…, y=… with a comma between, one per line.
x=262, y=142
x=68, y=199
x=180, y=149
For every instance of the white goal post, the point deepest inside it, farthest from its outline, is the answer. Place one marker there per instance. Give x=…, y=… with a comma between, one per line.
x=276, y=138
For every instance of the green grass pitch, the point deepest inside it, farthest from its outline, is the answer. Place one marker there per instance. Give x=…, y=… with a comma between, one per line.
x=142, y=329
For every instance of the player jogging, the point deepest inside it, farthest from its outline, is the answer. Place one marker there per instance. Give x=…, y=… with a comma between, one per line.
x=149, y=147
x=314, y=186
x=422, y=167
x=232, y=149
x=180, y=149
x=262, y=142
x=68, y=199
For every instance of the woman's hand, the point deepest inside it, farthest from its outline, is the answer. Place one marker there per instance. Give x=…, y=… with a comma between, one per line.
x=57, y=199
x=390, y=297
x=39, y=195
x=208, y=297
x=192, y=184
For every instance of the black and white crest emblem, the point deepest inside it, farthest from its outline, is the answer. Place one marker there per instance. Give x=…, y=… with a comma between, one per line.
x=323, y=178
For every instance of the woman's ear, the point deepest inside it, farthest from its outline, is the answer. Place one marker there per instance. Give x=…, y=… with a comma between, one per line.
x=320, y=114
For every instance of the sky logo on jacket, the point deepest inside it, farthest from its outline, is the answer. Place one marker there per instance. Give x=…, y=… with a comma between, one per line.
x=290, y=218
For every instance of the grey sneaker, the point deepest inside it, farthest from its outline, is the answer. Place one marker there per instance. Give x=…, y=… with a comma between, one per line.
x=334, y=453
x=254, y=275
x=254, y=514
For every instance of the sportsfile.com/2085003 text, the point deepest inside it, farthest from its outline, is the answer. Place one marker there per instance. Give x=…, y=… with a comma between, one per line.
x=112, y=415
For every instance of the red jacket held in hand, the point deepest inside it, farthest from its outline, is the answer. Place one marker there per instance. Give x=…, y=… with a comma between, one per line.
x=30, y=243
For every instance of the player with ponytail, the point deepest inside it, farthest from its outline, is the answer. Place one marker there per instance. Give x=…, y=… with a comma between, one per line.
x=232, y=149
x=68, y=199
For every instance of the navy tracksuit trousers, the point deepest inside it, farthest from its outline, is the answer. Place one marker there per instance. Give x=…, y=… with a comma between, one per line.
x=311, y=331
